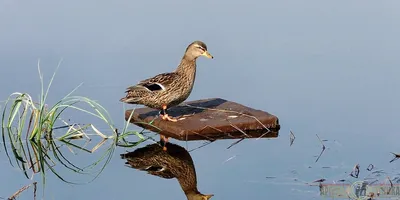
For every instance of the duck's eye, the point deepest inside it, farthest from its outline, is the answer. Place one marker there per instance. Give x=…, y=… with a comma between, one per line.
x=201, y=48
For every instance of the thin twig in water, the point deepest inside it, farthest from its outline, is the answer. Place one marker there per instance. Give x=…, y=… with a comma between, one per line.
x=370, y=167
x=240, y=130
x=268, y=131
x=340, y=180
x=14, y=196
x=323, y=148
x=391, y=184
x=390, y=181
x=204, y=136
x=356, y=171
x=235, y=143
x=396, y=156
x=34, y=190
x=65, y=126
x=319, y=180
x=229, y=159
x=292, y=137
x=203, y=145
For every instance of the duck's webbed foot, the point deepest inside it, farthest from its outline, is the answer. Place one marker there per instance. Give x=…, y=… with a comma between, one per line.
x=165, y=116
x=164, y=141
x=168, y=118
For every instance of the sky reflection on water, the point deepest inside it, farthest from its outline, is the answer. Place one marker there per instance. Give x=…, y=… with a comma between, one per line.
x=326, y=68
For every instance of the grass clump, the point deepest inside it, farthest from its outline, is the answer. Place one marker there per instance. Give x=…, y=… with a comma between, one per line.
x=29, y=133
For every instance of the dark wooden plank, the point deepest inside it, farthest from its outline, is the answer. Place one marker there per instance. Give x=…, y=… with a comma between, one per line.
x=209, y=119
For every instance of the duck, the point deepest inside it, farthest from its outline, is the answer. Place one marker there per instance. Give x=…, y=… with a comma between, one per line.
x=167, y=90
x=176, y=162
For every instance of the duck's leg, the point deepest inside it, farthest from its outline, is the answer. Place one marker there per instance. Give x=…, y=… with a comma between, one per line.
x=164, y=141
x=165, y=116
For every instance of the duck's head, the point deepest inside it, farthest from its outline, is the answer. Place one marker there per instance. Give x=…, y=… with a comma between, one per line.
x=197, y=49
x=199, y=196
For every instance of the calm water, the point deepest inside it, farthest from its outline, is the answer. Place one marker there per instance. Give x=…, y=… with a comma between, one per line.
x=326, y=68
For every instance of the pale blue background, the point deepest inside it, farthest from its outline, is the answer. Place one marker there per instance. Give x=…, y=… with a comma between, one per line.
x=323, y=67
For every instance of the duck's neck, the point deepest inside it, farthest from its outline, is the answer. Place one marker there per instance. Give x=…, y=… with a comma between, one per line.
x=187, y=178
x=192, y=195
x=187, y=68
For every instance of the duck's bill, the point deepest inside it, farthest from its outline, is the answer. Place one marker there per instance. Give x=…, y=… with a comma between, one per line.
x=208, y=55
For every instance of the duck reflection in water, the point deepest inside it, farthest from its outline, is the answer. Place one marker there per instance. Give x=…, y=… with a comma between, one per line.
x=176, y=162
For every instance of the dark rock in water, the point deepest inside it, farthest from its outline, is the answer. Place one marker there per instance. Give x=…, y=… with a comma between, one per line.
x=209, y=119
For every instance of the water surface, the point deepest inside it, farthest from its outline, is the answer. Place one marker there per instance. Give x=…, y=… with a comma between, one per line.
x=326, y=68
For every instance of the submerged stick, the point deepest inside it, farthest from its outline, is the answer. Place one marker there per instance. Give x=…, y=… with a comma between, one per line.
x=235, y=143
x=15, y=195
x=356, y=171
x=323, y=148
x=201, y=146
x=292, y=138
x=396, y=156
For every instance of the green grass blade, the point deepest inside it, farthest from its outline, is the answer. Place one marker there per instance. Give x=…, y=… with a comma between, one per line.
x=56, y=152
x=51, y=80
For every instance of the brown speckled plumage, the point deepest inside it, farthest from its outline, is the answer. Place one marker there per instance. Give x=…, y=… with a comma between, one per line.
x=169, y=89
x=176, y=162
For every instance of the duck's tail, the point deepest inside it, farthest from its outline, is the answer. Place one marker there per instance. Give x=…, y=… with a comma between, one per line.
x=134, y=94
x=130, y=100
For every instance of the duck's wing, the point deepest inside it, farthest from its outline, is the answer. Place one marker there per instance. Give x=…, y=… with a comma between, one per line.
x=160, y=171
x=151, y=159
x=156, y=83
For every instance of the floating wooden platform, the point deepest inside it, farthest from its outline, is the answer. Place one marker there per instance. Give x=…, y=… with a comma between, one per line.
x=209, y=119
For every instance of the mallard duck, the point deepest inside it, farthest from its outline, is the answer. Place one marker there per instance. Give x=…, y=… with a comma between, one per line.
x=168, y=89
x=176, y=162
